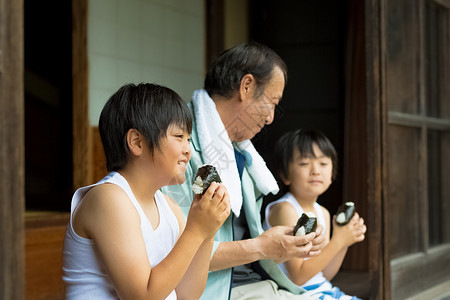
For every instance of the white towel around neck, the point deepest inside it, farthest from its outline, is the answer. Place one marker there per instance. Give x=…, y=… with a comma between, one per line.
x=217, y=150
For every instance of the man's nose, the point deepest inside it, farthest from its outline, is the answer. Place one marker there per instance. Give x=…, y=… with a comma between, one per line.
x=270, y=117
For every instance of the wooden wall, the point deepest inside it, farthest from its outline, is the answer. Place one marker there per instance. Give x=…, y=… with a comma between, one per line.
x=416, y=53
x=44, y=237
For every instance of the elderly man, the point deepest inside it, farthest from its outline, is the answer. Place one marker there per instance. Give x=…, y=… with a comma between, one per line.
x=242, y=88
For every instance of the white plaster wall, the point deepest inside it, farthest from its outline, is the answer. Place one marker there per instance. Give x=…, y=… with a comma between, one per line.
x=157, y=41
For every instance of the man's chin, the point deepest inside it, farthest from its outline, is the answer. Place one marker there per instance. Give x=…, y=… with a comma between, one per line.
x=243, y=138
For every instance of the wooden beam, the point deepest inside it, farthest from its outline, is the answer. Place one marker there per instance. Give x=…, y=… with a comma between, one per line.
x=12, y=166
x=419, y=121
x=415, y=273
x=445, y=3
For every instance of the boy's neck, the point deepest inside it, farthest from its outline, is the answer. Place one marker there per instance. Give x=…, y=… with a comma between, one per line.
x=142, y=187
x=144, y=192
x=307, y=204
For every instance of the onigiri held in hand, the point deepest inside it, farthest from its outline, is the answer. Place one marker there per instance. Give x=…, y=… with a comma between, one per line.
x=206, y=175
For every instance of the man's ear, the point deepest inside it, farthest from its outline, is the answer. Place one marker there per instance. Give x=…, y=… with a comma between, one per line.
x=247, y=88
x=135, y=142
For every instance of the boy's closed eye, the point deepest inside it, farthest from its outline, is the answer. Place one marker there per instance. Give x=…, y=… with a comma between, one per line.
x=183, y=136
x=304, y=161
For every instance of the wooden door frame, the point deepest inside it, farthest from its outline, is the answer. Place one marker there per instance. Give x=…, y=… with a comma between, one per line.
x=82, y=148
x=365, y=144
x=379, y=253
x=12, y=130
x=12, y=150
x=373, y=131
x=377, y=146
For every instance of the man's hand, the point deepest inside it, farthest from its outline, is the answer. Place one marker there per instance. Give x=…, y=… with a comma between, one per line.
x=318, y=242
x=279, y=244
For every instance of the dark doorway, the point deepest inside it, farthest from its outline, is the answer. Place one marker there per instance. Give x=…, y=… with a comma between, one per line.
x=310, y=37
x=48, y=105
x=323, y=44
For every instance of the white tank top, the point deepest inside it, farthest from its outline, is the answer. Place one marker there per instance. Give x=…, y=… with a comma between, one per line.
x=289, y=198
x=85, y=276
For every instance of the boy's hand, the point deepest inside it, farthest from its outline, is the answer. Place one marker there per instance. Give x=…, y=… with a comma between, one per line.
x=351, y=233
x=208, y=212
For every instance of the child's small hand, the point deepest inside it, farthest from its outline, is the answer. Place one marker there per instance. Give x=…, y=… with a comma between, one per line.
x=208, y=212
x=351, y=233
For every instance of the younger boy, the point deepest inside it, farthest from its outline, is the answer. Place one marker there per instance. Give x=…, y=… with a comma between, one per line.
x=307, y=166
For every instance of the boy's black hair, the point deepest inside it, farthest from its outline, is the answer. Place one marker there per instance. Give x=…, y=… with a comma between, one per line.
x=303, y=141
x=148, y=108
x=226, y=72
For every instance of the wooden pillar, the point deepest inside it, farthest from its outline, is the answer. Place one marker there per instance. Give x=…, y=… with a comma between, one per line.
x=11, y=150
x=363, y=168
x=82, y=147
x=376, y=150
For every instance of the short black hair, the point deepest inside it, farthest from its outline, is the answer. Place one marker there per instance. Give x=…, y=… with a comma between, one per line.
x=226, y=72
x=302, y=140
x=150, y=109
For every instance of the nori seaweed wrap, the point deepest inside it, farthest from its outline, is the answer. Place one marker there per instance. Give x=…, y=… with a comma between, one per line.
x=206, y=175
x=307, y=223
x=345, y=213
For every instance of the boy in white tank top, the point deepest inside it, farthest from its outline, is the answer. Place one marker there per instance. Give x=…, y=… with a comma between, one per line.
x=126, y=239
x=307, y=164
